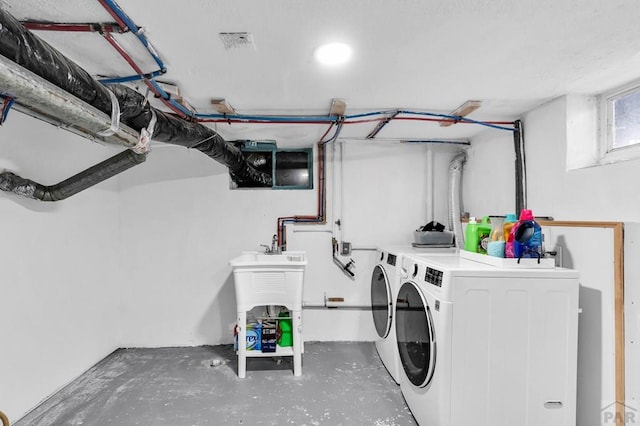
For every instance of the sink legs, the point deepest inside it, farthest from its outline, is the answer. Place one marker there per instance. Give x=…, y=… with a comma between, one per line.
x=295, y=350
x=242, y=344
x=296, y=324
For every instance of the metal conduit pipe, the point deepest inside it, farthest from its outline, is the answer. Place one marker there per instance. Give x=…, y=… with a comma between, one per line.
x=27, y=50
x=455, y=185
x=117, y=164
x=348, y=307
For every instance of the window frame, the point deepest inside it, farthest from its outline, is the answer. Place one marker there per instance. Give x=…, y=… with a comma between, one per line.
x=269, y=148
x=608, y=154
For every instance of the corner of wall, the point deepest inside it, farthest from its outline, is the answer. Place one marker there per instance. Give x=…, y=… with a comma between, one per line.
x=582, y=131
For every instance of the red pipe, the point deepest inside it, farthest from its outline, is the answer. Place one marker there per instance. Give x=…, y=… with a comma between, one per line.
x=114, y=15
x=89, y=28
x=232, y=120
x=112, y=41
x=320, y=217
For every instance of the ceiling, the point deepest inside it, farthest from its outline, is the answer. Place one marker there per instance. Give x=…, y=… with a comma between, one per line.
x=416, y=55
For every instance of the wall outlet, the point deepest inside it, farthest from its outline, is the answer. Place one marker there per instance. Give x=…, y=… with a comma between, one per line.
x=346, y=248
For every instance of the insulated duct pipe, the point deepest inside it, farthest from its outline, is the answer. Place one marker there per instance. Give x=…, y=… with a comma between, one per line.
x=100, y=172
x=455, y=189
x=27, y=50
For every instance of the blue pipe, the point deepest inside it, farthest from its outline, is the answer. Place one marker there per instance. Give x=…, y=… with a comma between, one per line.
x=117, y=80
x=369, y=114
x=167, y=97
x=5, y=110
x=135, y=30
x=287, y=119
x=327, y=119
x=459, y=118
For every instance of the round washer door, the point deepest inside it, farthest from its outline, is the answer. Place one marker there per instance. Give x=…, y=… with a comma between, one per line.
x=415, y=334
x=381, y=301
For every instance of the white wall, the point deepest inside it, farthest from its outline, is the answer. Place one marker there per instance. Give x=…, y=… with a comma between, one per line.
x=142, y=260
x=181, y=225
x=594, y=194
x=59, y=275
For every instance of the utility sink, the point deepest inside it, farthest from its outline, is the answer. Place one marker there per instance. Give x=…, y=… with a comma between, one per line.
x=269, y=279
x=248, y=259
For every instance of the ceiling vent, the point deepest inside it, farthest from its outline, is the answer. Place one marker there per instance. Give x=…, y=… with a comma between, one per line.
x=242, y=40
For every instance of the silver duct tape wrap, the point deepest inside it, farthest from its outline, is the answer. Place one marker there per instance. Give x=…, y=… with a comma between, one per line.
x=11, y=182
x=46, y=100
x=455, y=184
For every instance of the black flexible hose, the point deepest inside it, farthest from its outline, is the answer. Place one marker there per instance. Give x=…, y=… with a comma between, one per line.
x=11, y=182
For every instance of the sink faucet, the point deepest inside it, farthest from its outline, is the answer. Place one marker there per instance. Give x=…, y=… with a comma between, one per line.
x=267, y=249
x=274, y=244
x=274, y=249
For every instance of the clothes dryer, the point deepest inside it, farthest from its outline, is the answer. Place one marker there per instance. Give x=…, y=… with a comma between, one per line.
x=487, y=346
x=384, y=288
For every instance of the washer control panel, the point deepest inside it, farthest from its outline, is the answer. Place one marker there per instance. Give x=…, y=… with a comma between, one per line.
x=433, y=276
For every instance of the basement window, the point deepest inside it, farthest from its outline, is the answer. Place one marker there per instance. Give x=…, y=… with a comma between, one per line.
x=620, y=123
x=288, y=168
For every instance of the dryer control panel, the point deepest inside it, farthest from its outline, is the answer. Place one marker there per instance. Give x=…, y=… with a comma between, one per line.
x=391, y=259
x=433, y=276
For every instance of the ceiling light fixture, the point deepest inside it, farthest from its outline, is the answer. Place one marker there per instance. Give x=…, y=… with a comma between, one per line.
x=333, y=53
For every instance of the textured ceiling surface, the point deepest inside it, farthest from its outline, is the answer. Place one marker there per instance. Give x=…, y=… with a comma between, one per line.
x=421, y=55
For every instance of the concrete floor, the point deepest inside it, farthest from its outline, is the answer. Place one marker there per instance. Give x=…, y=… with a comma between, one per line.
x=341, y=384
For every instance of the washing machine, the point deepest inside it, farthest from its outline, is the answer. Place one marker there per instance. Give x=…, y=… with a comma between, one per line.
x=487, y=346
x=384, y=286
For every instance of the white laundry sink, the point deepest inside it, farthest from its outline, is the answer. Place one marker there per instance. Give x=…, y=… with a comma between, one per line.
x=269, y=279
x=248, y=259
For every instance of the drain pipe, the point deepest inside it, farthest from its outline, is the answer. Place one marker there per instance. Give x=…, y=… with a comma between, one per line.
x=521, y=168
x=455, y=211
x=117, y=164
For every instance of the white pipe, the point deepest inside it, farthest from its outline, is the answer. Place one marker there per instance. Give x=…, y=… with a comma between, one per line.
x=341, y=173
x=430, y=185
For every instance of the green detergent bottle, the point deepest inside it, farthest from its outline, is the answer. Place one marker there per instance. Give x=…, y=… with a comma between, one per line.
x=285, y=335
x=475, y=234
